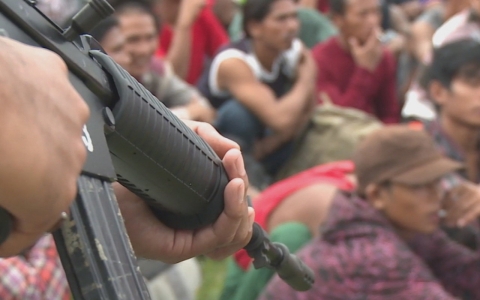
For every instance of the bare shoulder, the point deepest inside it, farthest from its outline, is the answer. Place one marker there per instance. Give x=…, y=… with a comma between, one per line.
x=234, y=68
x=309, y=205
x=233, y=72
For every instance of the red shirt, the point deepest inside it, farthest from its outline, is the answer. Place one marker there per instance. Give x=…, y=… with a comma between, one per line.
x=351, y=86
x=207, y=36
x=323, y=6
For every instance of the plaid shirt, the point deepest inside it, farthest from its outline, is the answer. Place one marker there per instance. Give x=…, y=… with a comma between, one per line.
x=359, y=256
x=36, y=275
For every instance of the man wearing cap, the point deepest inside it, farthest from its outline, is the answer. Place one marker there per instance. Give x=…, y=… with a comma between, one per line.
x=384, y=241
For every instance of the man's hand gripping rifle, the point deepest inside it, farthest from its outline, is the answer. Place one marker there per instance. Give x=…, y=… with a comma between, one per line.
x=133, y=138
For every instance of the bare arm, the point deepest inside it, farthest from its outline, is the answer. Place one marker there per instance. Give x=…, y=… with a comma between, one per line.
x=400, y=21
x=179, y=52
x=198, y=109
x=309, y=206
x=271, y=143
x=422, y=34
x=282, y=114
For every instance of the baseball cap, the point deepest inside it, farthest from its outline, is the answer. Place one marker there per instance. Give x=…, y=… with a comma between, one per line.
x=400, y=154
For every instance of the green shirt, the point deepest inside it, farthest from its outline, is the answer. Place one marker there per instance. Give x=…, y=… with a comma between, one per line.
x=314, y=27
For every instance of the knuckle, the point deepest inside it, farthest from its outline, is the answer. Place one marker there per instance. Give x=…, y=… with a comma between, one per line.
x=84, y=110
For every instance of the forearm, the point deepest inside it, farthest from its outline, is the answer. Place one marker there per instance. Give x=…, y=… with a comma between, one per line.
x=271, y=143
x=201, y=110
x=292, y=105
x=421, y=41
x=179, y=52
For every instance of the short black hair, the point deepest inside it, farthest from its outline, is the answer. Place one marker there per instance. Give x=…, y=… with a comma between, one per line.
x=459, y=58
x=101, y=29
x=137, y=7
x=337, y=7
x=255, y=10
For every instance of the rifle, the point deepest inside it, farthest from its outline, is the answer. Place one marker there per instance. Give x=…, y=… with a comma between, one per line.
x=132, y=138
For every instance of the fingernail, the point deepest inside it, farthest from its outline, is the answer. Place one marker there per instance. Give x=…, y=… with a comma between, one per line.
x=240, y=166
x=460, y=223
x=241, y=193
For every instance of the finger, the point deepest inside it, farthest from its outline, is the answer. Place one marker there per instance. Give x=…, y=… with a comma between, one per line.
x=235, y=166
x=373, y=39
x=225, y=228
x=243, y=239
x=459, y=211
x=244, y=231
x=218, y=143
x=471, y=215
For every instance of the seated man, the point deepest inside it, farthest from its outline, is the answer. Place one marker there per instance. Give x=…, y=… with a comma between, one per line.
x=314, y=26
x=138, y=26
x=263, y=84
x=463, y=24
x=384, y=242
x=356, y=71
x=452, y=82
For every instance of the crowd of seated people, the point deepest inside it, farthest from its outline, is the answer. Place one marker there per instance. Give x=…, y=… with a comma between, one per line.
x=396, y=216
